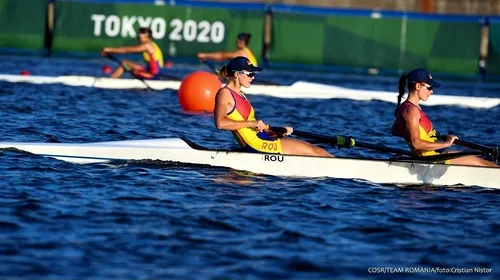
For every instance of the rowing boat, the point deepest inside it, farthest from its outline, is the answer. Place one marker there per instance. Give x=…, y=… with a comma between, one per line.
x=298, y=89
x=390, y=171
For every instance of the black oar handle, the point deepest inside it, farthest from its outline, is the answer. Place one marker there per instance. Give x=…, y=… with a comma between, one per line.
x=493, y=153
x=333, y=140
x=345, y=141
x=115, y=59
x=467, y=144
x=438, y=158
x=280, y=131
x=210, y=65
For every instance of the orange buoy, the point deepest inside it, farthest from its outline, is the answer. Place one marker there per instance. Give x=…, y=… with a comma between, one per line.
x=197, y=92
x=106, y=69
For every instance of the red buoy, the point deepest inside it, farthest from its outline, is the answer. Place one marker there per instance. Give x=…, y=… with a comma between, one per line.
x=198, y=90
x=106, y=69
x=25, y=73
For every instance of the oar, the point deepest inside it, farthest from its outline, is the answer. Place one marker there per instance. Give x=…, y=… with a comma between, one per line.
x=438, y=158
x=493, y=152
x=343, y=141
x=128, y=69
x=212, y=66
x=168, y=77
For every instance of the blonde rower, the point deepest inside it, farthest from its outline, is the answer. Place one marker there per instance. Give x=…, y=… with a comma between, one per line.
x=233, y=112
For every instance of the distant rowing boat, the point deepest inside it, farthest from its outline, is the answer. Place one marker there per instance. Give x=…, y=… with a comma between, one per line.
x=181, y=151
x=296, y=90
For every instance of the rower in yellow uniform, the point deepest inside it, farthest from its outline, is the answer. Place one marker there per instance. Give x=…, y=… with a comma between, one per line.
x=242, y=42
x=234, y=112
x=416, y=128
x=151, y=53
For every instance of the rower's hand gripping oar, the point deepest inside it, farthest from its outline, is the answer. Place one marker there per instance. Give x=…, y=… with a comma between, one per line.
x=342, y=141
x=128, y=69
x=492, y=152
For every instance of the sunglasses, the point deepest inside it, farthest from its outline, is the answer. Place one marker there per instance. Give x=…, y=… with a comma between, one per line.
x=249, y=74
x=429, y=88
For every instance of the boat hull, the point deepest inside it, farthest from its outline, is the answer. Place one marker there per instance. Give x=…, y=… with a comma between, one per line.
x=178, y=151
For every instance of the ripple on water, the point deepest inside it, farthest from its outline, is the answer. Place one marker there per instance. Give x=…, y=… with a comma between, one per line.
x=151, y=220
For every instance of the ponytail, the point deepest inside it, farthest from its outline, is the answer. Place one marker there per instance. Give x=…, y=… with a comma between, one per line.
x=247, y=38
x=226, y=74
x=401, y=89
x=223, y=72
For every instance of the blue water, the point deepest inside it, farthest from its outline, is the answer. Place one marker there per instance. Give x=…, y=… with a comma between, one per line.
x=161, y=221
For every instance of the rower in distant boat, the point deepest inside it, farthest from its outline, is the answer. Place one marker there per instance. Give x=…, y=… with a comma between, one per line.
x=234, y=112
x=416, y=128
x=151, y=54
x=242, y=42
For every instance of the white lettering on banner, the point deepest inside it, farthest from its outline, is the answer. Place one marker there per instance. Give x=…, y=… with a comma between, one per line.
x=204, y=31
x=158, y=27
x=144, y=22
x=112, y=26
x=128, y=26
x=189, y=31
x=175, y=35
x=98, y=19
x=217, y=32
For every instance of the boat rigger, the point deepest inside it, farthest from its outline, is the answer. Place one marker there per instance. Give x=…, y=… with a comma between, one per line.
x=390, y=171
x=298, y=89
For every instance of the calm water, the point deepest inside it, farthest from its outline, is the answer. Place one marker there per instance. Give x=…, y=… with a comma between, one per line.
x=159, y=221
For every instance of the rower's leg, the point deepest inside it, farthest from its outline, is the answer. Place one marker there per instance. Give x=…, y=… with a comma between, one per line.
x=117, y=73
x=473, y=160
x=143, y=74
x=130, y=64
x=298, y=147
x=133, y=65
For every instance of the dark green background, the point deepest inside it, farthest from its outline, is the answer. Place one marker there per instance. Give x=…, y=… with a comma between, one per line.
x=360, y=41
x=74, y=27
x=22, y=24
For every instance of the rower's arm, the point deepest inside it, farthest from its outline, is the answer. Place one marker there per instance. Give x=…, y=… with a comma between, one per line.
x=127, y=49
x=412, y=117
x=223, y=100
x=220, y=56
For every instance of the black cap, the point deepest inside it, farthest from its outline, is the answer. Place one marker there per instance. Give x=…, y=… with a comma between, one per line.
x=241, y=63
x=421, y=76
x=243, y=35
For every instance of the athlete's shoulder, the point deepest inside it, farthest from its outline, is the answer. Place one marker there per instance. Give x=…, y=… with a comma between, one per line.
x=224, y=91
x=150, y=46
x=411, y=113
x=242, y=52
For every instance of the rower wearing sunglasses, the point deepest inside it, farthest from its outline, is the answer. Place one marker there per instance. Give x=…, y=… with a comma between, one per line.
x=415, y=127
x=234, y=112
